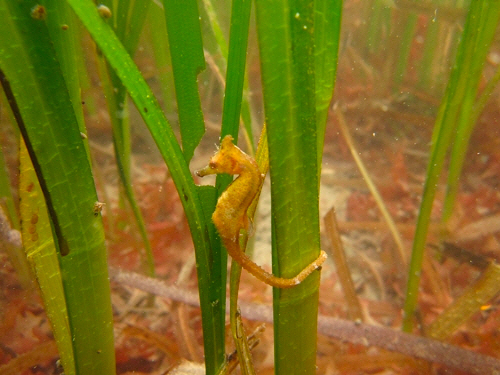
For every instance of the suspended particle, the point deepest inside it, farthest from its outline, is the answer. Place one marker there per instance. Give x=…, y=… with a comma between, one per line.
x=104, y=11
x=98, y=207
x=38, y=12
x=64, y=27
x=487, y=307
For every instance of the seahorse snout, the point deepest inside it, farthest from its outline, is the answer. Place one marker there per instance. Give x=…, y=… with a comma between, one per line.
x=205, y=171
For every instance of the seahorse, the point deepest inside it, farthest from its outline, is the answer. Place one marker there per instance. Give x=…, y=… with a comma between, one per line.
x=230, y=216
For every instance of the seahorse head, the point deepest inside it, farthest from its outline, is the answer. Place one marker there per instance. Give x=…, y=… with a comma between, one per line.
x=227, y=159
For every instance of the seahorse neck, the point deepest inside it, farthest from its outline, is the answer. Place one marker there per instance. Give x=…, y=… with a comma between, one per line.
x=244, y=188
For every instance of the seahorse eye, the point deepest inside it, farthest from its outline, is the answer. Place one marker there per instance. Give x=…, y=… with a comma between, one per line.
x=212, y=165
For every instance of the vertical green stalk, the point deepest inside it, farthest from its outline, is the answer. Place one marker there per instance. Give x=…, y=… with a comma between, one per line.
x=50, y=129
x=235, y=76
x=116, y=98
x=241, y=342
x=216, y=44
x=328, y=15
x=468, y=113
x=159, y=40
x=286, y=43
x=380, y=14
x=127, y=22
x=40, y=251
x=186, y=52
x=428, y=57
x=236, y=60
x=211, y=276
x=410, y=24
x=458, y=94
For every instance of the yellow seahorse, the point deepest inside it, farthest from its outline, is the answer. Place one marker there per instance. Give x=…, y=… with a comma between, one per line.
x=230, y=215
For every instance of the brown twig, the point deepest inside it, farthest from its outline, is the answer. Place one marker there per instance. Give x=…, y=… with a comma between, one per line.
x=368, y=335
x=356, y=333
x=340, y=260
x=414, y=346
